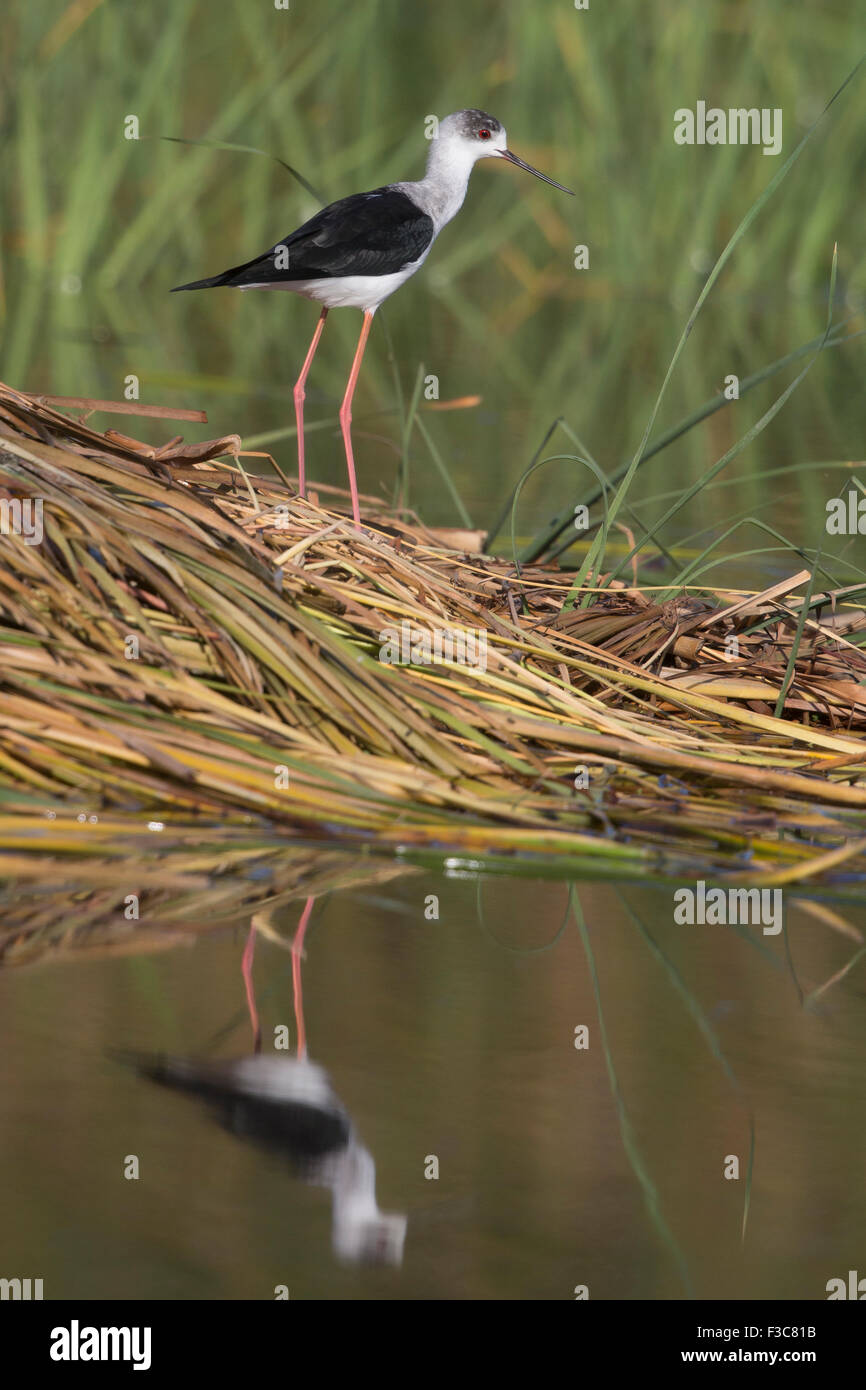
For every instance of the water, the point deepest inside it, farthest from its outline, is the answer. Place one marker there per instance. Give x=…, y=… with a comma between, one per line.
x=448, y=1039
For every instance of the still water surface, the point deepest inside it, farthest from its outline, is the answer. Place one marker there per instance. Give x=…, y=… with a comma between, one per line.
x=454, y=1040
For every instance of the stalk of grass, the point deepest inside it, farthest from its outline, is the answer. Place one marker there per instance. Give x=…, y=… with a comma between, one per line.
x=708, y=1033
x=757, y=206
x=798, y=637
x=521, y=950
x=629, y=1138
x=443, y=472
x=542, y=543
x=401, y=484
x=585, y=460
x=598, y=546
x=251, y=149
x=746, y=439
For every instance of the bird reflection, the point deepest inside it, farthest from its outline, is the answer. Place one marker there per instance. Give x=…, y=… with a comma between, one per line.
x=286, y=1105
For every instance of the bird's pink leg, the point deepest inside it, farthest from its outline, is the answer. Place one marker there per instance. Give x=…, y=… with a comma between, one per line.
x=346, y=414
x=297, y=951
x=299, y=393
x=247, y=971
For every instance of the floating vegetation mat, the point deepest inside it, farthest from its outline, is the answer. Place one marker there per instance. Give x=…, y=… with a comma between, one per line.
x=125, y=895
x=186, y=642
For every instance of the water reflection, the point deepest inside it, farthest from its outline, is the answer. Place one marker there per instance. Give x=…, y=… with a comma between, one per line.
x=415, y=1036
x=286, y=1105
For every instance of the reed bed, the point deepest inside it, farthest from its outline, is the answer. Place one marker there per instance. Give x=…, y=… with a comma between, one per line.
x=62, y=902
x=194, y=644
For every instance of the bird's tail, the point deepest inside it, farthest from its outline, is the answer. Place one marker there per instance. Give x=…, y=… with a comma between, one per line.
x=235, y=275
x=209, y=284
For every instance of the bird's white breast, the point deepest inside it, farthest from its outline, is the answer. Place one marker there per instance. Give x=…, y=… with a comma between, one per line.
x=365, y=292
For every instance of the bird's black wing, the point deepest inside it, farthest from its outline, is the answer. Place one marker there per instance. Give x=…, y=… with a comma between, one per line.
x=374, y=233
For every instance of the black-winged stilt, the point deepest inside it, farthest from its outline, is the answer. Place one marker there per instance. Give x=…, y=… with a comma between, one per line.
x=358, y=251
x=287, y=1106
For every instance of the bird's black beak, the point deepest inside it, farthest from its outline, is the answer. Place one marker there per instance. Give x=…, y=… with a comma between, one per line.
x=512, y=159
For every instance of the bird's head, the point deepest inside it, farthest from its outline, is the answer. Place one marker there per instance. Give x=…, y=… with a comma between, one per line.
x=467, y=136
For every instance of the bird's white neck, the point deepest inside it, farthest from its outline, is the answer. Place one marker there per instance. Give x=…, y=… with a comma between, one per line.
x=443, y=188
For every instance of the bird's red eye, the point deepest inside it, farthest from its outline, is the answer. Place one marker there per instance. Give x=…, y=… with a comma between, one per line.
x=484, y=135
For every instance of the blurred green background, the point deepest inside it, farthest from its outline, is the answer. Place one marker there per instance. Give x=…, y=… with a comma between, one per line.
x=94, y=231
x=96, y=228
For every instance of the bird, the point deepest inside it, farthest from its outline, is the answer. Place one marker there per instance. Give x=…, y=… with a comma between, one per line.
x=358, y=251
x=286, y=1106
